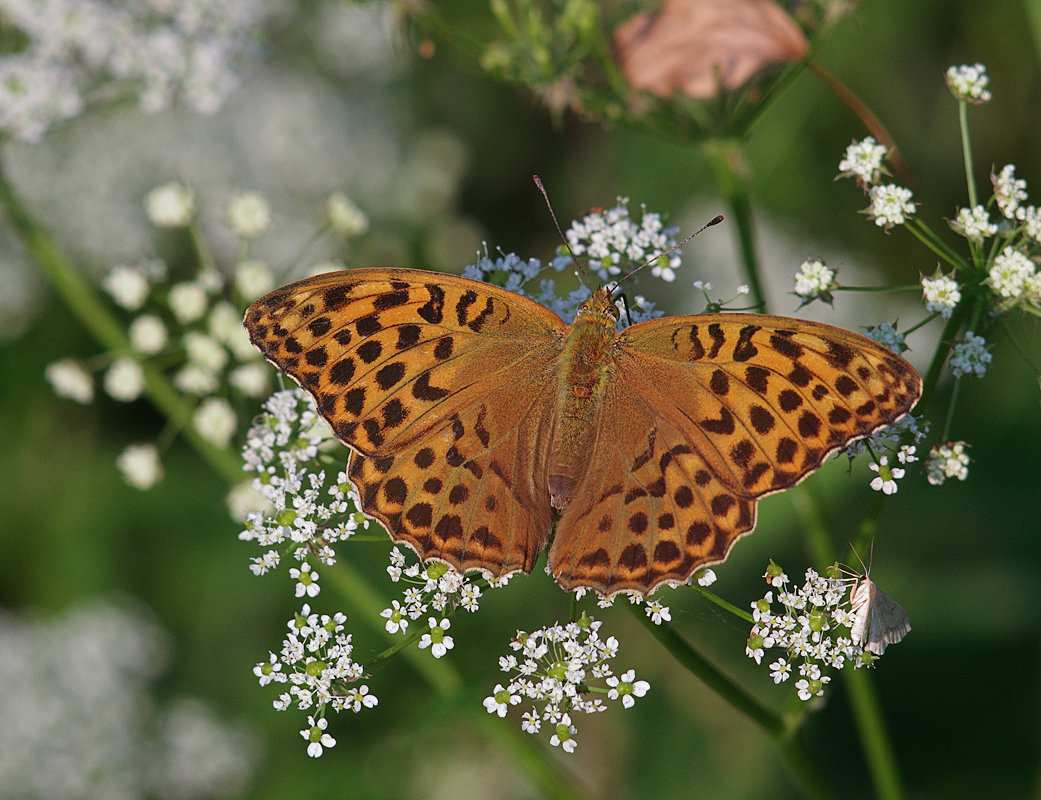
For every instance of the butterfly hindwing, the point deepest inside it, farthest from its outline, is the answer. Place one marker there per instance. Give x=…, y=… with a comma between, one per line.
x=653, y=510
x=469, y=494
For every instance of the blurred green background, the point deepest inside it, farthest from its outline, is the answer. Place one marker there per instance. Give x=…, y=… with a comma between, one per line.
x=960, y=694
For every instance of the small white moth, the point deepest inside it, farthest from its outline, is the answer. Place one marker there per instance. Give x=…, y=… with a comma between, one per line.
x=878, y=620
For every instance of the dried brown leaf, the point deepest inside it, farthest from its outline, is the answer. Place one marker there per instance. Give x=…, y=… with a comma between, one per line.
x=697, y=46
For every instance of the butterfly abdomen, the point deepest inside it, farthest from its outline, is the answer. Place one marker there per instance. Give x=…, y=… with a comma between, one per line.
x=585, y=369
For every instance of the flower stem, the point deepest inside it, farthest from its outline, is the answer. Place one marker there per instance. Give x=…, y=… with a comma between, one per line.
x=874, y=738
x=867, y=715
x=727, y=160
x=791, y=747
x=712, y=597
x=966, y=151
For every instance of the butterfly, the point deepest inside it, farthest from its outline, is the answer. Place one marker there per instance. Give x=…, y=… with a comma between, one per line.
x=478, y=419
x=878, y=620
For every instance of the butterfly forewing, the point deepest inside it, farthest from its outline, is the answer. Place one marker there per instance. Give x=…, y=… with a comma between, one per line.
x=773, y=396
x=390, y=354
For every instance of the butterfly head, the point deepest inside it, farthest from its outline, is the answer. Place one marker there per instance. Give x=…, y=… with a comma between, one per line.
x=600, y=302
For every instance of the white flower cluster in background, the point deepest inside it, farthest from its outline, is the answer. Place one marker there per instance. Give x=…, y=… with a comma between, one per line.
x=969, y=83
x=611, y=240
x=80, y=719
x=948, y=460
x=814, y=280
x=188, y=330
x=158, y=51
x=192, y=327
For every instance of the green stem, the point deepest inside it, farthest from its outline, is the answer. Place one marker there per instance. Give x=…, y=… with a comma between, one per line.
x=740, y=613
x=83, y=301
x=867, y=715
x=924, y=234
x=809, y=505
x=1014, y=341
x=785, y=735
x=868, y=527
x=974, y=317
x=932, y=375
x=966, y=152
x=202, y=248
x=874, y=738
x=878, y=751
x=726, y=158
x=912, y=287
x=863, y=112
x=298, y=256
x=367, y=603
x=951, y=405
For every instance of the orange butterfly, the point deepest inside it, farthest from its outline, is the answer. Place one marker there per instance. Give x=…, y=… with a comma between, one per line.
x=476, y=416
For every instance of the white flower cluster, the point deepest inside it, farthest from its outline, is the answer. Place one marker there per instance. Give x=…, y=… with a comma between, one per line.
x=345, y=218
x=316, y=664
x=1014, y=277
x=435, y=585
x=889, y=438
x=863, y=161
x=160, y=51
x=974, y=224
x=969, y=83
x=814, y=280
x=941, y=293
x=812, y=626
x=1003, y=259
x=554, y=666
x=82, y=718
x=886, y=476
x=1009, y=191
x=308, y=513
x=887, y=335
x=890, y=204
x=947, y=461
x=607, y=237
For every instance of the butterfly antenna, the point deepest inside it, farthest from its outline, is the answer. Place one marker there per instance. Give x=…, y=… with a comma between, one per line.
x=545, y=196
x=714, y=221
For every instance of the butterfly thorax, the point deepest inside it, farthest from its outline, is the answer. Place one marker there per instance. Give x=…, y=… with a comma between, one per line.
x=585, y=367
